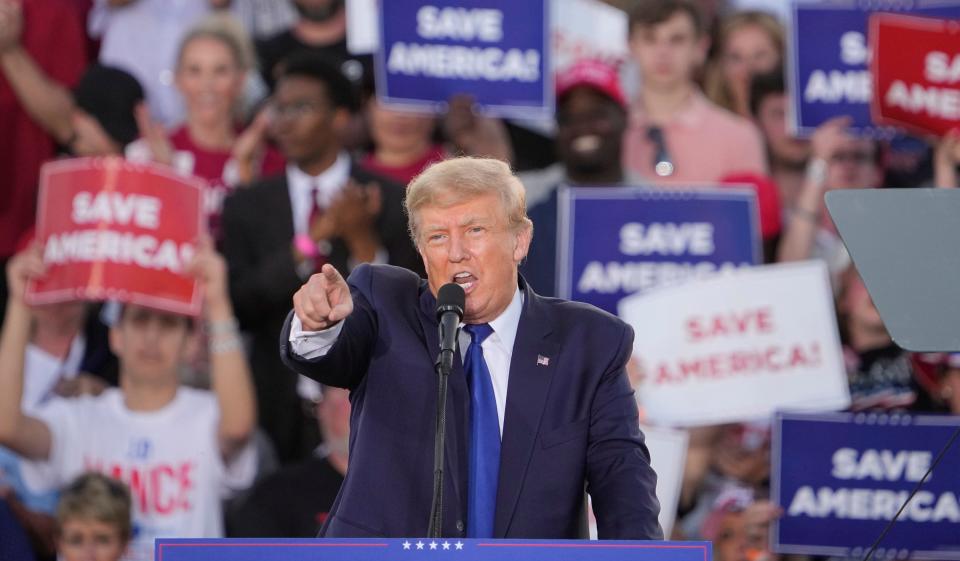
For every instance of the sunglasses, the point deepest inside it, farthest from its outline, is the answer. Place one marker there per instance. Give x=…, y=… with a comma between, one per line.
x=662, y=164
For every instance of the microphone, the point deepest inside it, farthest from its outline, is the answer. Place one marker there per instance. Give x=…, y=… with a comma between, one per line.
x=450, y=302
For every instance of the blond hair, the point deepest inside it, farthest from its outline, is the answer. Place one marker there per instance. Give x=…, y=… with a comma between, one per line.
x=226, y=29
x=93, y=496
x=456, y=180
x=715, y=83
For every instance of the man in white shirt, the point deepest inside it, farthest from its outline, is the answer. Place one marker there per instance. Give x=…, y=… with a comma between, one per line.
x=179, y=449
x=539, y=407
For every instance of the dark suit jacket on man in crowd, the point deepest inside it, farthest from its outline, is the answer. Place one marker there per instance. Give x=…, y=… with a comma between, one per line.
x=571, y=420
x=258, y=231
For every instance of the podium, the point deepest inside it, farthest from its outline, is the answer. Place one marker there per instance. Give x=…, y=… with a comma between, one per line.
x=903, y=243
x=829, y=469
x=423, y=549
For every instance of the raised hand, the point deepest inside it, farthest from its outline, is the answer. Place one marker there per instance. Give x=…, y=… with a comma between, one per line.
x=323, y=301
x=473, y=134
x=22, y=267
x=946, y=156
x=161, y=150
x=210, y=270
x=830, y=137
x=352, y=216
x=251, y=144
x=355, y=209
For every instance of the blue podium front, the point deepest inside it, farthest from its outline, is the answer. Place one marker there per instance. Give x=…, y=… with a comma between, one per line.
x=427, y=550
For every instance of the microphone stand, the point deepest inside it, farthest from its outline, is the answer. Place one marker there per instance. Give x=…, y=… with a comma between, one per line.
x=443, y=366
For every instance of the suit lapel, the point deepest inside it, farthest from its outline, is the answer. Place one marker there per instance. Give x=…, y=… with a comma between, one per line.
x=531, y=370
x=457, y=437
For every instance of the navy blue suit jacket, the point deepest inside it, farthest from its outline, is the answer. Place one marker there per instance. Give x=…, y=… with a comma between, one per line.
x=571, y=420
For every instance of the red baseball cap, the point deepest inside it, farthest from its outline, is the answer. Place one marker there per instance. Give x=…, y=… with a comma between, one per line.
x=594, y=74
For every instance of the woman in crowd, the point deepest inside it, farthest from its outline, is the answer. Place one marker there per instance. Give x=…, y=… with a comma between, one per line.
x=212, y=65
x=748, y=43
x=404, y=142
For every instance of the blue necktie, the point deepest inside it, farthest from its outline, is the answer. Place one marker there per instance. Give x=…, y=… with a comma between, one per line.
x=484, y=437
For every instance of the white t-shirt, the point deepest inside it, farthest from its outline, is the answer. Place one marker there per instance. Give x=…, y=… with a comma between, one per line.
x=170, y=458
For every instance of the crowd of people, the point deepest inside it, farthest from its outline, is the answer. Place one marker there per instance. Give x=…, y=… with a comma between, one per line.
x=204, y=428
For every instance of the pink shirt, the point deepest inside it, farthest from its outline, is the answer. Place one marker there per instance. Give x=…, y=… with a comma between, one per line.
x=704, y=142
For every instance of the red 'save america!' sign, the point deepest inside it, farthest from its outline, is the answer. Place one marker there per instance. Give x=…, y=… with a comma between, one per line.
x=116, y=230
x=916, y=72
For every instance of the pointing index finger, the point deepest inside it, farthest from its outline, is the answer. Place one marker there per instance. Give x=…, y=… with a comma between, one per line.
x=331, y=274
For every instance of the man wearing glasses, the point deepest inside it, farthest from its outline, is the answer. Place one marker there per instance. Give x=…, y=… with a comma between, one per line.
x=281, y=230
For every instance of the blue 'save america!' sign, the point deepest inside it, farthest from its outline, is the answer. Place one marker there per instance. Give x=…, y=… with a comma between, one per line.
x=497, y=51
x=840, y=478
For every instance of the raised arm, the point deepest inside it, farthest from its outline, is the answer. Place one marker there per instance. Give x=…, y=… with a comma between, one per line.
x=324, y=301
x=471, y=134
x=46, y=101
x=229, y=372
x=805, y=218
x=946, y=155
x=330, y=334
x=21, y=433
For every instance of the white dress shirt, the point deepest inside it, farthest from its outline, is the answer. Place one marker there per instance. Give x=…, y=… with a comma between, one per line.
x=301, y=185
x=497, y=348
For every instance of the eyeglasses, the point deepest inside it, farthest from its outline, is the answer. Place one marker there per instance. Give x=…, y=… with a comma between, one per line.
x=662, y=164
x=853, y=156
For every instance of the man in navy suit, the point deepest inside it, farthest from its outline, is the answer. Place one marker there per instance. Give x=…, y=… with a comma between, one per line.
x=539, y=407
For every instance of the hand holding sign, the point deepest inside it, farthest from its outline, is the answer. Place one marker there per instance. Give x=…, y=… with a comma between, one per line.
x=210, y=270
x=323, y=301
x=24, y=266
x=830, y=138
x=116, y=230
x=946, y=157
x=474, y=134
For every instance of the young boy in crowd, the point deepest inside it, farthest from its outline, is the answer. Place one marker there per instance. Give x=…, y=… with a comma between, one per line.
x=178, y=448
x=93, y=519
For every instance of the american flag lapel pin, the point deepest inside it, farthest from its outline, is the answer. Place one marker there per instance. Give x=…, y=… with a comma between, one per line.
x=543, y=361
